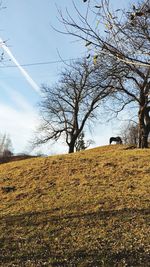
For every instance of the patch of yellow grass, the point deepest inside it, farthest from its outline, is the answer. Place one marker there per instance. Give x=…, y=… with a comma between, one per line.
x=104, y=178
x=89, y=208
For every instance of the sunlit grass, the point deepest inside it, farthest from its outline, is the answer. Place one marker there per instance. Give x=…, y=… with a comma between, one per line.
x=91, y=207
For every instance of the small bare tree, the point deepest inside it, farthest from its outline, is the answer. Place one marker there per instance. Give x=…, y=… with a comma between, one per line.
x=81, y=143
x=69, y=105
x=129, y=134
x=5, y=146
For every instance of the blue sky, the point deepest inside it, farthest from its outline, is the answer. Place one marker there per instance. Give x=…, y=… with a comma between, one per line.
x=26, y=26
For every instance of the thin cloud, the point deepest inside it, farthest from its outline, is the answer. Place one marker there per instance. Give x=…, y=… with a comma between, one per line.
x=24, y=73
x=20, y=125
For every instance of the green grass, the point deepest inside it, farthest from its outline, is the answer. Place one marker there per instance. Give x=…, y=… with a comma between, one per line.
x=90, y=208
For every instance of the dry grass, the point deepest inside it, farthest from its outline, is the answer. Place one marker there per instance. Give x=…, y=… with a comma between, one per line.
x=90, y=208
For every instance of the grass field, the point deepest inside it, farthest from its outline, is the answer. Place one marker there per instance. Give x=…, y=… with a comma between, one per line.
x=90, y=208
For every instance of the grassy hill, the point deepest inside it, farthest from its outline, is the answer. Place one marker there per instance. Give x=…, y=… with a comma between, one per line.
x=90, y=208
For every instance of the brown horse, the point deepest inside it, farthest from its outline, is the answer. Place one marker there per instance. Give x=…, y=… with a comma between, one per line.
x=117, y=139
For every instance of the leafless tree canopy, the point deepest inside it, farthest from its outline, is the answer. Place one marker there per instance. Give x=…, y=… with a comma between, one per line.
x=125, y=38
x=72, y=102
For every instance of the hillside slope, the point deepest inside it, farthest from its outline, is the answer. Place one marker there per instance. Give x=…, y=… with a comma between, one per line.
x=90, y=208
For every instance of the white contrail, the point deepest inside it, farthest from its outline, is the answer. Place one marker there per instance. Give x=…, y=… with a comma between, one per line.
x=24, y=73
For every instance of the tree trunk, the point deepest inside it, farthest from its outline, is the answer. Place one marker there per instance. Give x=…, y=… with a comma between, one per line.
x=143, y=130
x=73, y=139
x=145, y=141
x=143, y=138
x=72, y=145
x=71, y=149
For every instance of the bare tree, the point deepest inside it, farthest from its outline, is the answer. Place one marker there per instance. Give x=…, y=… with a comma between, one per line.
x=71, y=103
x=81, y=143
x=129, y=134
x=5, y=146
x=125, y=37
